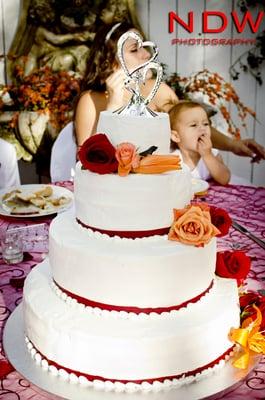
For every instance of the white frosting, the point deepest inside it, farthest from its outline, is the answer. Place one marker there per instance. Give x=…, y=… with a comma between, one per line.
x=133, y=203
x=124, y=348
x=143, y=132
x=129, y=387
x=140, y=273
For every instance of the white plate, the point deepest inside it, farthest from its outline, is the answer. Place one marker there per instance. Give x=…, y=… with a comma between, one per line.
x=199, y=185
x=57, y=192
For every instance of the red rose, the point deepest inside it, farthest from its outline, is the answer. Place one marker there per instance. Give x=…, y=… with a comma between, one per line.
x=250, y=312
x=220, y=218
x=248, y=298
x=98, y=155
x=232, y=264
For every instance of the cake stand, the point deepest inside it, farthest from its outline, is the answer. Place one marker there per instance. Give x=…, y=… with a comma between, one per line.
x=18, y=355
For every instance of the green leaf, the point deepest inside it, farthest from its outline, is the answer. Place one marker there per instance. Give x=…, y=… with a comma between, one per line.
x=149, y=151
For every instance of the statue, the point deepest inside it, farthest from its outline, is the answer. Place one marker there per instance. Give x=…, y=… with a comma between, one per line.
x=55, y=34
x=58, y=33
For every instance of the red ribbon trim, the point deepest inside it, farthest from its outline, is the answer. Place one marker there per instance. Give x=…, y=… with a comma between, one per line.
x=139, y=381
x=127, y=234
x=136, y=310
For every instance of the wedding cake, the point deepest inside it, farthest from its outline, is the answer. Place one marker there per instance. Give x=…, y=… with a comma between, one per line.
x=117, y=304
x=128, y=299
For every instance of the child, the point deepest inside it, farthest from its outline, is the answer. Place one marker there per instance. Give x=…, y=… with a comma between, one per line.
x=190, y=129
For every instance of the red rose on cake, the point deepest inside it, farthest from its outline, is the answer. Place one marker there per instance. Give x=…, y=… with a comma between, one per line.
x=127, y=158
x=248, y=298
x=232, y=264
x=221, y=220
x=192, y=225
x=98, y=155
x=248, y=301
x=250, y=311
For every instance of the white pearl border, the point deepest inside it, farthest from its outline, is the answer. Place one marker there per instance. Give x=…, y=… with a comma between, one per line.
x=129, y=315
x=117, y=386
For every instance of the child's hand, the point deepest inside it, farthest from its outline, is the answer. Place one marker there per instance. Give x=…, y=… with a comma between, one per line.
x=204, y=145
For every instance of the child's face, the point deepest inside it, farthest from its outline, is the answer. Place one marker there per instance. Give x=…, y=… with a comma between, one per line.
x=189, y=126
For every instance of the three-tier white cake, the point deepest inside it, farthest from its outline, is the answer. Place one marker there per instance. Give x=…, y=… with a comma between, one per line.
x=117, y=302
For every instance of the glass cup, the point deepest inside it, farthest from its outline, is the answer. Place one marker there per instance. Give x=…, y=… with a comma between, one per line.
x=12, y=248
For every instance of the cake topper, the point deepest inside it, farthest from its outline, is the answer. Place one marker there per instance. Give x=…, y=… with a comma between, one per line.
x=138, y=104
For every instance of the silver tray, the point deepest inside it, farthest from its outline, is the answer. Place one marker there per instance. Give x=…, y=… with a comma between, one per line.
x=19, y=357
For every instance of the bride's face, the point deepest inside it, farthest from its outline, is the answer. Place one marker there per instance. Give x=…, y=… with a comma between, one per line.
x=134, y=55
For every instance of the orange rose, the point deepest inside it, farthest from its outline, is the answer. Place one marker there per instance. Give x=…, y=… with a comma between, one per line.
x=127, y=158
x=192, y=225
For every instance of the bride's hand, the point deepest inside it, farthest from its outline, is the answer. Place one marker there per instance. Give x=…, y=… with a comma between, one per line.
x=249, y=148
x=115, y=88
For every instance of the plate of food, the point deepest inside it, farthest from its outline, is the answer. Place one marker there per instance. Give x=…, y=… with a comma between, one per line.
x=199, y=186
x=34, y=200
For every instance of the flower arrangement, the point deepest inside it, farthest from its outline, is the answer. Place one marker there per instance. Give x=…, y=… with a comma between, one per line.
x=97, y=154
x=250, y=336
x=42, y=90
x=229, y=264
x=214, y=90
x=192, y=225
x=196, y=224
x=248, y=300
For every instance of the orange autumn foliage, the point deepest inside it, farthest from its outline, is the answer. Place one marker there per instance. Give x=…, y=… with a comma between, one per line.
x=43, y=90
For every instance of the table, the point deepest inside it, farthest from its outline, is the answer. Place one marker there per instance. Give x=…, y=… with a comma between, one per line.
x=244, y=203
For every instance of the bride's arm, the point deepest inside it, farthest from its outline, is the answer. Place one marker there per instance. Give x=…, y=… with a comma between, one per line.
x=240, y=147
x=85, y=118
x=164, y=99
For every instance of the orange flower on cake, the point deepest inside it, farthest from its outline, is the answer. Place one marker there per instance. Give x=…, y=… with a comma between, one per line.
x=250, y=339
x=157, y=164
x=144, y=163
x=127, y=158
x=193, y=226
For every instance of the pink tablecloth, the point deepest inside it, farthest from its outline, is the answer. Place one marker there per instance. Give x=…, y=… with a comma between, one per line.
x=245, y=204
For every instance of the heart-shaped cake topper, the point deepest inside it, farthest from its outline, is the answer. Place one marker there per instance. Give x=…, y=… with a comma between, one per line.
x=159, y=76
x=136, y=36
x=136, y=77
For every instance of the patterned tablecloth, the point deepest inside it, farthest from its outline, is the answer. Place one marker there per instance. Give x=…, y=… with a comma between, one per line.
x=245, y=204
